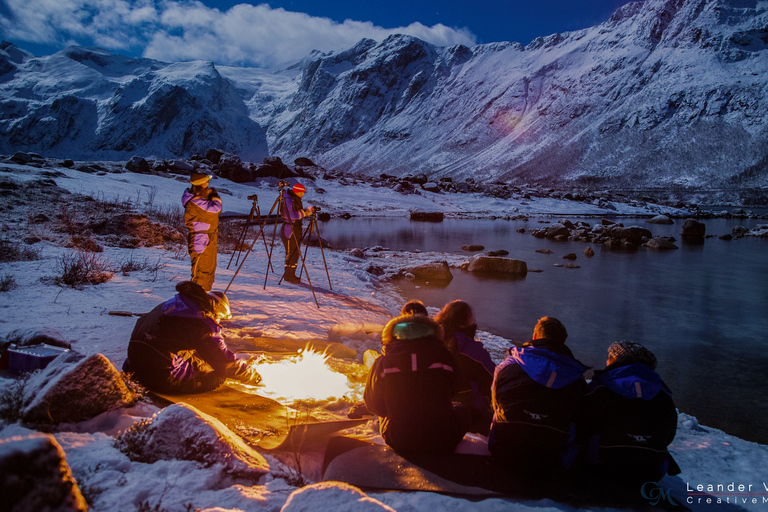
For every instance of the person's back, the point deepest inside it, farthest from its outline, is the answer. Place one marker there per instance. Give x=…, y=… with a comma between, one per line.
x=179, y=346
x=474, y=363
x=628, y=419
x=410, y=388
x=536, y=393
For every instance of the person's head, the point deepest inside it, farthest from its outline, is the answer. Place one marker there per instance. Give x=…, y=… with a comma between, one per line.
x=550, y=328
x=414, y=307
x=409, y=328
x=623, y=353
x=298, y=189
x=455, y=315
x=221, y=309
x=199, y=182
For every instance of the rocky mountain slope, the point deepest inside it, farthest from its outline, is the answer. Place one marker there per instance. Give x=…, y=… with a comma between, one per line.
x=665, y=93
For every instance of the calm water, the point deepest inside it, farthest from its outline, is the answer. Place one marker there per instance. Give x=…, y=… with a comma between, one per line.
x=702, y=309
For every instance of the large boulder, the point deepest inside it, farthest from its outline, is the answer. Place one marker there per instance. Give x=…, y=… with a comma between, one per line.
x=634, y=234
x=556, y=229
x=495, y=264
x=660, y=219
x=34, y=475
x=182, y=432
x=336, y=496
x=138, y=165
x=660, y=243
x=433, y=271
x=693, y=229
x=427, y=216
x=74, y=388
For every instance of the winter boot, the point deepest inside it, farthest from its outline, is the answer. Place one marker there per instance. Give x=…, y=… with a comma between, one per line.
x=290, y=274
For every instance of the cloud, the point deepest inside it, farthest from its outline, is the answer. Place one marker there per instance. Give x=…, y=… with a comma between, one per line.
x=174, y=30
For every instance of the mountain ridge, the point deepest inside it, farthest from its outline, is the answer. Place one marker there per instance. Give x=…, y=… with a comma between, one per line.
x=666, y=92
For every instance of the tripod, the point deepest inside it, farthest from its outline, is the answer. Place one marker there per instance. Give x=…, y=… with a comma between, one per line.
x=254, y=210
x=296, y=246
x=241, y=239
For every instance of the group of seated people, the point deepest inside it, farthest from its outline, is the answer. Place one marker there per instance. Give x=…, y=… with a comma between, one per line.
x=433, y=383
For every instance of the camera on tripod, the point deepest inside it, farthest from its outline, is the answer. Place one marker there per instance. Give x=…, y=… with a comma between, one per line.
x=253, y=197
x=283, y=183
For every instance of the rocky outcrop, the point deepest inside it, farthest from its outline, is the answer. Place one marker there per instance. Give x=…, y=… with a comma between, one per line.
x=433, y=271
x=35, y=475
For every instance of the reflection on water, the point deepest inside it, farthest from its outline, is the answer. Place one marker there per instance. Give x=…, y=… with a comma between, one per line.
x=701, y=309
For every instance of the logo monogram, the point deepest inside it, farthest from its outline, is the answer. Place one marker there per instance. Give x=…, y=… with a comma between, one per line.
x=535, y=415
x=654, y=493
x=639, y=438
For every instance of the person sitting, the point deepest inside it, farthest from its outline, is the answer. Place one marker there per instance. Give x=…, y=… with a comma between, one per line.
x=628, y=419
x=410, y=387
x=472, y=360
x=414, y=307
x=536, y=394
x=179, y=347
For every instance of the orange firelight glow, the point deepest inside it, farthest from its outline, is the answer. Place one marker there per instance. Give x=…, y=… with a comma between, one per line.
x=305, y=376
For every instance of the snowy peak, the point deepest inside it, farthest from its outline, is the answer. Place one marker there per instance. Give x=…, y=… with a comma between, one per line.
x=664, y=93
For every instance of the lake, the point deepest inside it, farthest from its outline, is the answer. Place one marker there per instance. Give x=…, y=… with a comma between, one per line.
x=702, y=309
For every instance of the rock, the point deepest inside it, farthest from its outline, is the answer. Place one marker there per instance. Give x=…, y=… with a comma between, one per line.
x=693, y=229
x=435, y=271
x=336, y=496
x=68, y=163
x=726, y=237
x=556, y=229
x=304, y=162
x=495, y=264
x=633, y=234
x=544, y=251
x=500, y=252
x=357, y=253
x=571, y=256
x=180, y=166
x=138, y=165
x=431, y=186
x=21, y=158
x=213, y=155
x=660, y=219
x=74, y=388
x=571, y=265
x=427, y=216
x=472, y=248
x=660, y=243
x=182, y=432
x=34, y=475
x=588, y=252
x=324, y=216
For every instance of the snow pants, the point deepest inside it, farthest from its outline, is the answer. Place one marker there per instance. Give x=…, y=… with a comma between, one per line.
x=204, y=264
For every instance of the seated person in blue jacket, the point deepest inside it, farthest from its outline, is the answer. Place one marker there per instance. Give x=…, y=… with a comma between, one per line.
x=536, y=394
x=179, y=346
x=472, y=360
x=628, y=419
x=410, y=388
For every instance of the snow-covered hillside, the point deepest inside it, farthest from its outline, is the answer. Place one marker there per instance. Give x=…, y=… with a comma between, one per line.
x=666, y=92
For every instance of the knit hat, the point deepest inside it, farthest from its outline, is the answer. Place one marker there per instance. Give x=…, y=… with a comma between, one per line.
x=298, y=189
x=199, y=178
x=630, y=352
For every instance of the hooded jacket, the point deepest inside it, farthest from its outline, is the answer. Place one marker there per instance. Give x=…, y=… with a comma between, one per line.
x=536, y=394
x=410, y=388
x=627, y=422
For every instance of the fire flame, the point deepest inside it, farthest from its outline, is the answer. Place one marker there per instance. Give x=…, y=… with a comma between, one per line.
x=305, y=376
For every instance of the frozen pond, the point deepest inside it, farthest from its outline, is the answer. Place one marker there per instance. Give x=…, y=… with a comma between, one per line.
x=701, y=309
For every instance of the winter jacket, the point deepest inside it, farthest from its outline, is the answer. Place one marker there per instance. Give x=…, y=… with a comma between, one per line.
x=292, y=214
x=179, y=346
x=201, y=216
x=410, y=388
x=475, y=368
x=536, y=394
x=628, y=420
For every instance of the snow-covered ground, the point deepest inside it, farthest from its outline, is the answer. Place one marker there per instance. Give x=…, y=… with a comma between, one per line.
x=707, y=456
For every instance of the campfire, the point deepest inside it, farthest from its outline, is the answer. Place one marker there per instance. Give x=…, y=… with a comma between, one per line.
x=301, y=377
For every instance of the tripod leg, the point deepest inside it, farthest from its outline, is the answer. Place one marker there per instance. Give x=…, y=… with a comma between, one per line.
x=240, y=240
x=320, y=242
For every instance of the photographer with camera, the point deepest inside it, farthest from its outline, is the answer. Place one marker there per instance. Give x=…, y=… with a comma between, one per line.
x=202, y=206
x=292, y=211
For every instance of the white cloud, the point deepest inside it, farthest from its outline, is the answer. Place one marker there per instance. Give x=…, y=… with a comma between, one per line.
x=173, y=30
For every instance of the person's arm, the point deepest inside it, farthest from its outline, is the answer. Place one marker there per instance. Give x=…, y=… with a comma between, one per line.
x=374, y=390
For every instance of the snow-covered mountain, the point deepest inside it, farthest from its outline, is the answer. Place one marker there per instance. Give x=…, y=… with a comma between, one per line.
x=666, y=92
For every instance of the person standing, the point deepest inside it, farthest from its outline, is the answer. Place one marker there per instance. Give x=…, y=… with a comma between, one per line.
x=202, y=207
x=292, y=211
